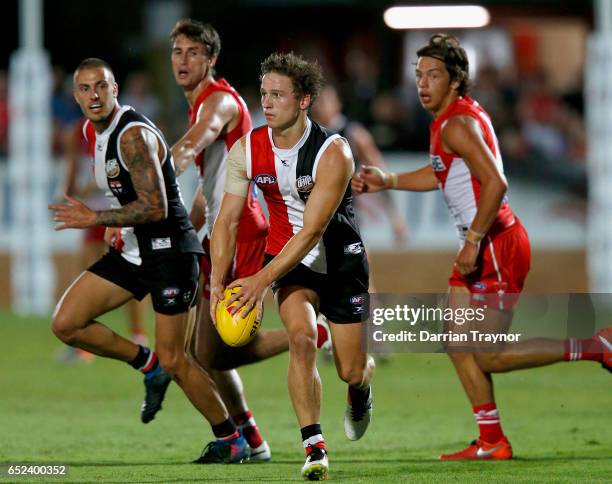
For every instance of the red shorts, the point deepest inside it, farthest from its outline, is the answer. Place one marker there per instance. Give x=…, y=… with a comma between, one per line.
x=248, y=260
x=94, y=234
x=502, y=267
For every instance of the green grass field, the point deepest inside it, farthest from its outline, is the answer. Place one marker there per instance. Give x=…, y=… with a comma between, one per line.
x=87, y=416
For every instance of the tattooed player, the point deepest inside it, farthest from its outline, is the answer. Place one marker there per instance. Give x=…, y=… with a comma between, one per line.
x=160, y=254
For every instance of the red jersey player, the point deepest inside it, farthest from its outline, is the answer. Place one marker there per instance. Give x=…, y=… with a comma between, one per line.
x=217, y=118
x=495, y=254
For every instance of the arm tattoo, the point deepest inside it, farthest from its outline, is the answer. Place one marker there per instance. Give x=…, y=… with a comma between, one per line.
x=139, y=151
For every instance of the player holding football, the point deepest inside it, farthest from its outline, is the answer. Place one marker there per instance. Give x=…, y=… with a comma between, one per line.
x=495, y=255
x=315, y=257
x=160, y=254
x=217, y=118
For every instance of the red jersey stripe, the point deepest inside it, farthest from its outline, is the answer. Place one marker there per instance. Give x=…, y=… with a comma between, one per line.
x=264, y=171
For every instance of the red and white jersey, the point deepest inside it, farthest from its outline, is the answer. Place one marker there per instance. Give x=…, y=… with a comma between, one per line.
x=461, y=189
x=212, y=166
x=286, y=177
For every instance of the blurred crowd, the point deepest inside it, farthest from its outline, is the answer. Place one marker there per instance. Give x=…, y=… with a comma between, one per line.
x=541, y=131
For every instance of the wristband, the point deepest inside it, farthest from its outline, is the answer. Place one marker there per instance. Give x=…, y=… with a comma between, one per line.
x=474, y=237
x=393, y=180
x=479, y=235
x=473, y=242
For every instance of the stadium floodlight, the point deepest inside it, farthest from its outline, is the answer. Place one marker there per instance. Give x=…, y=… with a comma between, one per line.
x=437, y=17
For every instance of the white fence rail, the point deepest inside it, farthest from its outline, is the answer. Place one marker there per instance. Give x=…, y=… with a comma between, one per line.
x=552, y=217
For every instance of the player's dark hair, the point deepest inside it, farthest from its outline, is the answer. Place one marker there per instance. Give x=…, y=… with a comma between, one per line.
x=93, y=63
x=446, y=48
x=198, y=32
x=305, y=76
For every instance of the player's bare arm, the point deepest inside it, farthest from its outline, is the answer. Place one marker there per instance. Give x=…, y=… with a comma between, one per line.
x=372, y=179
x=223, y=239
x=216, y=116
x=139, y=150
x=197, y=215
x=462, y=135
x=333, y=174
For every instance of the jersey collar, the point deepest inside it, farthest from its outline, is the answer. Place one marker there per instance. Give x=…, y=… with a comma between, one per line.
x=111, y=127
x=287, y=152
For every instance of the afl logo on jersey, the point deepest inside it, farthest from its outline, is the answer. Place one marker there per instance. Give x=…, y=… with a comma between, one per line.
x=437, y=164
x=264, y=179
x=304, y=184
x=112, y=168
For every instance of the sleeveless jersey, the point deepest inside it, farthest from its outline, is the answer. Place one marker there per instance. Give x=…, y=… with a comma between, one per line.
x=211, y=164
x=286, y=177
x=173, y=234
x=462, y=190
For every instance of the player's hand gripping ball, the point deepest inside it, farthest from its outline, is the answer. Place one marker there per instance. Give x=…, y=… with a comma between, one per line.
x=235, y=329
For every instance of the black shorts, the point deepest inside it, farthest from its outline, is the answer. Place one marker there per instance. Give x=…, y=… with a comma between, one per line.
x=171, y=279
x=344, y=299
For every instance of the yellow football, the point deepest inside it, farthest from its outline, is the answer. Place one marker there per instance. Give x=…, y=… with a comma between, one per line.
x=235, y=329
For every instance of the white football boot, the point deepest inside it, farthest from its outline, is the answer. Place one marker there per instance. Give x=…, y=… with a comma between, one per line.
x=357, y=417
x=262, y=453
x=316, y=467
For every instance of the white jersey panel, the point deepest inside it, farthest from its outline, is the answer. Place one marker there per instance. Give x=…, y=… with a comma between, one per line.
x=324, y=146
x=213, y=181
x=498, y=159
x=101, y=145
x=130, y=251
x=459, y=194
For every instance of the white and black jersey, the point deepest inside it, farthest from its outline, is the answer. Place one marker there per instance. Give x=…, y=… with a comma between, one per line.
x=286, y=177
x=174, y=234
x=337, y=267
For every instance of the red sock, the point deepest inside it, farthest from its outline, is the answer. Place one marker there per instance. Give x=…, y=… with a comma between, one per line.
x=582, y=349
x=246, y=423
x=322, y=335
x=488, y=422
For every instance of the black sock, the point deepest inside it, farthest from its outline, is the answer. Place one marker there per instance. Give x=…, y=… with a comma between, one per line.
x=142, y=358
x=224, y=429
x=310, y=431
